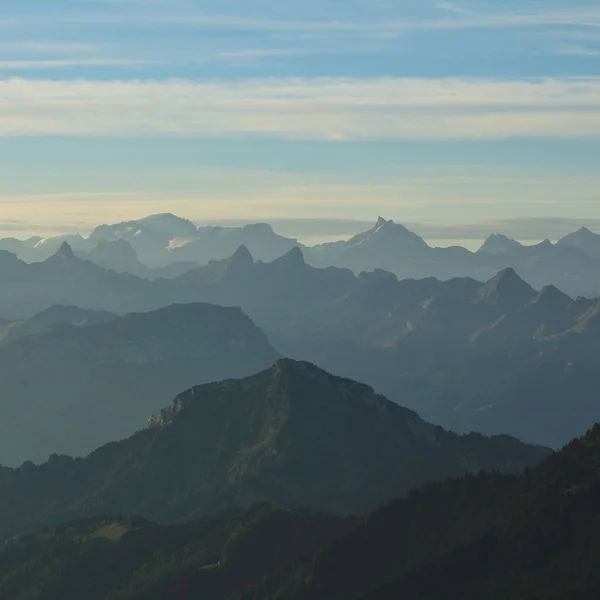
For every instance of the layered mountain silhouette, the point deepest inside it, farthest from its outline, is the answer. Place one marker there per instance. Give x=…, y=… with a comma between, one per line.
x=495, y=357
x=292, y=435
x=165, y=245
x=74, y=379
x=572, y=264
x=483, y=536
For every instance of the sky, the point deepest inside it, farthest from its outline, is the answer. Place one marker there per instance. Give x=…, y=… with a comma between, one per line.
x=458, y=118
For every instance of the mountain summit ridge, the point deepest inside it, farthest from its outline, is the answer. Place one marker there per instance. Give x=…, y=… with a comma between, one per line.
x=292, y=435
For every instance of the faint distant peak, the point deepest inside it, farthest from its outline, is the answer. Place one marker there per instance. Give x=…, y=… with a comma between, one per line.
x=242, y=257
x=293, y=258
x=381, y=222
x=498, y=243
x=65, y=251
x=389, y=234
x=259, y=228
x=582, y=236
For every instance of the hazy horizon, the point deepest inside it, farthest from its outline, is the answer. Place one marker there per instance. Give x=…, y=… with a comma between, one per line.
x=316, y=231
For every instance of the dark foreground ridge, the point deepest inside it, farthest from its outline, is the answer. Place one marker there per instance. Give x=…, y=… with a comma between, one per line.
x=478, y=537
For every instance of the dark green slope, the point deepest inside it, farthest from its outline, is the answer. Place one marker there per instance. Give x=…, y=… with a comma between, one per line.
x=479, y=537
x=128, y=558
x=487, y=537
x=293, y=435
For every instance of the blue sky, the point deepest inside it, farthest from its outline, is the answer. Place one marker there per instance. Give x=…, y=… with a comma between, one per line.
x=454, y=117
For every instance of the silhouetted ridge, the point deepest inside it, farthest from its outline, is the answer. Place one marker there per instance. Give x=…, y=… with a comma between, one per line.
x=293, y=258
x=506, y=289
x=242, y=258
x=499, y=244
x=65, y=251
x=292, y=435
x=552, y=298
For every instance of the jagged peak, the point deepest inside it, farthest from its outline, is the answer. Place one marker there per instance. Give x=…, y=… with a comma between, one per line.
x=388, y=232
x=497, y=243
x=294, y=257
x=506, y=286
x=507, y=274
x=551, y=295
x=65, y=251
x=544, y=245
x=242, y=256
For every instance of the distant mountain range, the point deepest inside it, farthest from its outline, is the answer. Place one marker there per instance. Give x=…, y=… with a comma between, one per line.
x=480, y=537
x=167, y=246
x=495, y=357
x=74, y=379
x=292, y=435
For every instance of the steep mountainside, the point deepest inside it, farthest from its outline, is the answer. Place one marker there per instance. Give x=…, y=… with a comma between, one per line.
x=293, y=435
x=497, y=357
x=71, y=387
x=487, y=537
x=479, y=537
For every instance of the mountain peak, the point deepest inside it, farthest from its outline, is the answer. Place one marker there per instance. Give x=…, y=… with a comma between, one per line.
x=497, y=243
x=551, y=296
x=65, y=251
x=242, y=257
x=293, y=258
x=506, y=288
x=583, y=239
x=392, y=235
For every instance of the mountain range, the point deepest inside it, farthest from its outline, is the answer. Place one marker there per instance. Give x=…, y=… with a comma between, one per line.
x=74, y=379
x=483, y=536
x=494, y=357
x=292, y=435
x=167, y=246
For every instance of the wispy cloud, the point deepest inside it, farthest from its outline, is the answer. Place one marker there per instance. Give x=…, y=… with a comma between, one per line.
x=577, y=51
x=70, y=63
x=319, y=108
x=486, y=15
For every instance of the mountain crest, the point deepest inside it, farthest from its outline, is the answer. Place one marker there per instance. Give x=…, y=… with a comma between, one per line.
x=242, y=257
x=65, y=251
x=550, y=296
x=506, y=289
x=293, y=258
x=498, y=243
